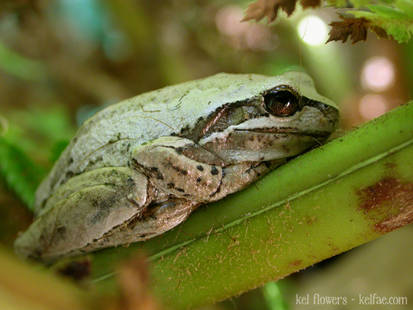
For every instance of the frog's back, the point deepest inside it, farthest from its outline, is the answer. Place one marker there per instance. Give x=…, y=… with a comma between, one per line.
x=106, y=139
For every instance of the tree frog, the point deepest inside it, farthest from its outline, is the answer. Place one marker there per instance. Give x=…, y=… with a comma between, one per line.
x=139, y=168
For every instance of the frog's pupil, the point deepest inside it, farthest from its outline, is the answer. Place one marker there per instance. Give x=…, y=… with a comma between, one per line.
x=281, y=103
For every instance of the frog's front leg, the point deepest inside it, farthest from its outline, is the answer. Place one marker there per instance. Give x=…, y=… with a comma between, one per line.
x=180, y=168
x=82, y=210
x=183, y=169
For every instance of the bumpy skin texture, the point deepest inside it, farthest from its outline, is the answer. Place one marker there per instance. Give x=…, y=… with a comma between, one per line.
x=140, y=167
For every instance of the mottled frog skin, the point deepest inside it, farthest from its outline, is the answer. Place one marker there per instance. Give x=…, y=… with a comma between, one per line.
x=140, y=167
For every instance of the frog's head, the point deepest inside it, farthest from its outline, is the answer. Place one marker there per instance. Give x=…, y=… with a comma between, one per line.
x=281, y=119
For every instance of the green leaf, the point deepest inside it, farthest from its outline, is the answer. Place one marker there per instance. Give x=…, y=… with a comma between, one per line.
x=387, y=11
x=405, y=6
x=360, y=3
x=18, y=171
x=401, y=32
x=337, y=3
x=57, y=149
x=19, y=66
x=325, y=202
x=401, y=29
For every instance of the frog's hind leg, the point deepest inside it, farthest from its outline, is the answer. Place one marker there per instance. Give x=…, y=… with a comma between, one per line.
x=83, y=210
x=157, y=219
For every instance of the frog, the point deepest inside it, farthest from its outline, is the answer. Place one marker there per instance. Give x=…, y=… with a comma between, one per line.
x=140, y=167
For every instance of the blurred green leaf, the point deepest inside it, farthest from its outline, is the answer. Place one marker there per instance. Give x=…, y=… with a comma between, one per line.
x=386, y=11
x=273, y=296
x=19, y=66
x=39, y=131
x=57, y=150
x=406, y=6
x=18, y=171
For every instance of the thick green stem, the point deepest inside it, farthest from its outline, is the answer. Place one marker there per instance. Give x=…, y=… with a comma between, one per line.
x=325, y=202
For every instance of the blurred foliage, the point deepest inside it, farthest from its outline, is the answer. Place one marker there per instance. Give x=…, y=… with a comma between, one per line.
x=19, y=172
x=274, y=297
x=19, y=66
x=32, y=140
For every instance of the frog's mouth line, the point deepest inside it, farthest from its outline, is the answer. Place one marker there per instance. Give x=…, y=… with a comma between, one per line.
x=320, y=134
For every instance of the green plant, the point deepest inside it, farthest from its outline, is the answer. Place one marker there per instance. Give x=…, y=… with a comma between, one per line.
x=392, y=18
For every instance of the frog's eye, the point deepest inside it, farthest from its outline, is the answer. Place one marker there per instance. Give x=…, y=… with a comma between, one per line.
x=281, y=103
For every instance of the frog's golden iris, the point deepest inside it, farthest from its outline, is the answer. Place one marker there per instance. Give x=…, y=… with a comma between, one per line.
x=281, y=102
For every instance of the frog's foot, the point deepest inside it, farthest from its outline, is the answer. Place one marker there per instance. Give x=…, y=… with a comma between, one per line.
x=83, y=210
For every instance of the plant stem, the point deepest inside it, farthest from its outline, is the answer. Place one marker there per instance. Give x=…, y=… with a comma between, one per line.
x=329, y=200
